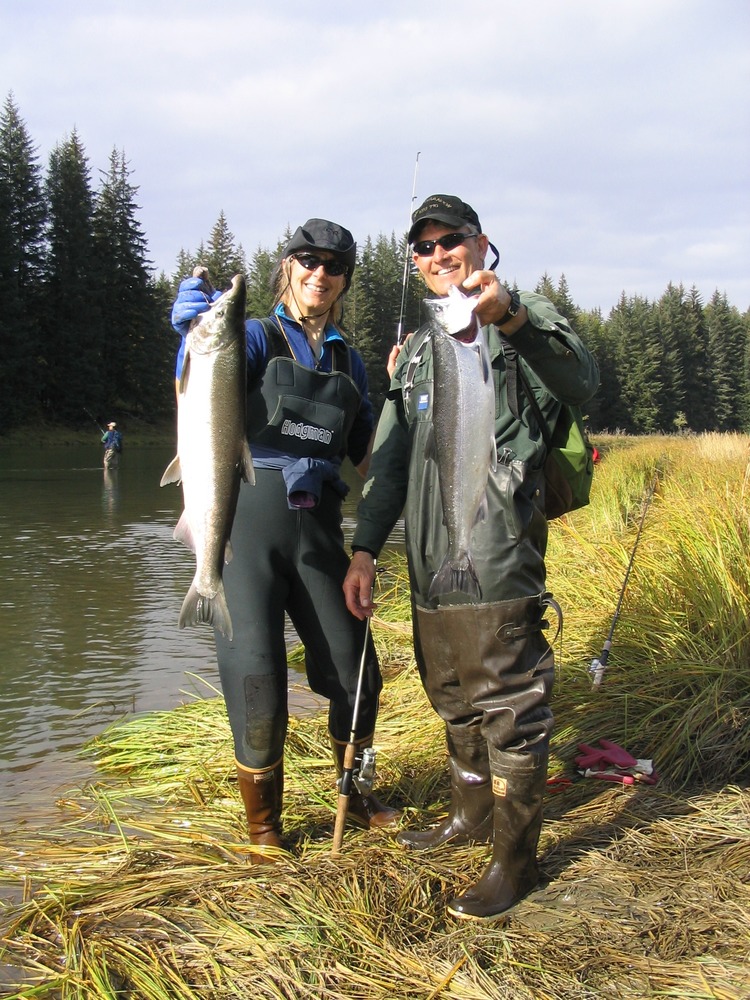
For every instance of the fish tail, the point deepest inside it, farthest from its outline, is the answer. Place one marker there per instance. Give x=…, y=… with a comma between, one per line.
x=200, y=610
x=456, y=575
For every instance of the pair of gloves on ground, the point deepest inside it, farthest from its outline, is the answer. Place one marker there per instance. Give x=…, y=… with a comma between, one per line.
x=611, y=763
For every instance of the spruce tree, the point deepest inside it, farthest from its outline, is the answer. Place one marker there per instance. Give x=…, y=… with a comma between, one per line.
x=22, y=218
x=139, y=349
x=638, y=361
x=223, y=258
x=72, y=332
x=374, y=303
x=726, y=352
x=671, y=315
x=259, y=291
x=699, y=398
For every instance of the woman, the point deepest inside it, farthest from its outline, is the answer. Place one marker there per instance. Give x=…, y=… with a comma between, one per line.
x=308, y=408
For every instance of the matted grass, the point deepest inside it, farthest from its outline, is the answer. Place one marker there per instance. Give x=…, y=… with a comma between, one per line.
x=144, y=890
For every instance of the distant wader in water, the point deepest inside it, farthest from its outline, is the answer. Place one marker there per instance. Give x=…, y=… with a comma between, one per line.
x=112, y=442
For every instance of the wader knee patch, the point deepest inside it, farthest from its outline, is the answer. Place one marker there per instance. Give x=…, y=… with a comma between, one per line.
x=266, y=714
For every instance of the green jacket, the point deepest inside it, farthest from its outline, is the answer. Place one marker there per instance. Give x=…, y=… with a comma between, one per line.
x=508, y=547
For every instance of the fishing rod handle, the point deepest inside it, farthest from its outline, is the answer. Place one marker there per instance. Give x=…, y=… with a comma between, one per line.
x=345, y=790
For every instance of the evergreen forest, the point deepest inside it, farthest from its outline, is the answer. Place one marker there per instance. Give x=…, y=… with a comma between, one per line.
x=86, y=332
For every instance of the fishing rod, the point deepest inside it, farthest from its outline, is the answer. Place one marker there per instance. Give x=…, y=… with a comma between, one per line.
x=94, y=419
x=362, y=777
x=599, y=664
x=405, y=279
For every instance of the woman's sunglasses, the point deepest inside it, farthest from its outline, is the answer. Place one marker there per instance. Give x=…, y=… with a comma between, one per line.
x=310, y=262
x=426, y=248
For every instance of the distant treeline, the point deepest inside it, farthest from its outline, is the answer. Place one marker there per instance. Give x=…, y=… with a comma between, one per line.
x=85, y=321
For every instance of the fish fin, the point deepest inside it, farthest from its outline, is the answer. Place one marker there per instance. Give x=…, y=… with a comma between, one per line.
x=246, y=465
x=458, y=576
x=183, y=532
x=228, y=553
x=200, y=610
x=172, y=473
x=184, y=374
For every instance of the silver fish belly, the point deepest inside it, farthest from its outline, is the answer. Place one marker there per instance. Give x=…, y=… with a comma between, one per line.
x=212, y=450
x=463, y=438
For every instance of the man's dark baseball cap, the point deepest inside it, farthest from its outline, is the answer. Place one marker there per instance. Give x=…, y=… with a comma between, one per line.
x=445, y=208
x=320, y=234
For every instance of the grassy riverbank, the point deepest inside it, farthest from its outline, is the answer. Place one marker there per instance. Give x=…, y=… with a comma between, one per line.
x=143, y=891
x=136, y=433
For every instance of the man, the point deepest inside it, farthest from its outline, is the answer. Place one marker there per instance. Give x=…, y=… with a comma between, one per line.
x=112, y=441
x=484, y=662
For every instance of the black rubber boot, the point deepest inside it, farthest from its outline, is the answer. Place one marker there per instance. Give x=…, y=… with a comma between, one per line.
x=364, y=810
x=469, y=818
x=518, y=781
x=262, y=792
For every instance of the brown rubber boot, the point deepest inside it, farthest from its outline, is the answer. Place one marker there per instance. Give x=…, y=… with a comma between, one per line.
x=518, y=781
x=469, y=818
x=364, y=810
x=262, y=792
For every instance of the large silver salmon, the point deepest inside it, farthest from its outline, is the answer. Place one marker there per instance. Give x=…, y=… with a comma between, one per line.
x=463, y=436
x=212, y=450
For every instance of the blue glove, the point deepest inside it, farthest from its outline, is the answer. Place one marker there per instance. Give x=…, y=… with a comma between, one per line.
x=193, y=298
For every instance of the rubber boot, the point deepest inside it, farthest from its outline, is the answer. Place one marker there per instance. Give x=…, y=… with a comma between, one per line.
x=490, y=662
x=364, y=810
x=262, y=792
x=469, y=818
x=518, y=782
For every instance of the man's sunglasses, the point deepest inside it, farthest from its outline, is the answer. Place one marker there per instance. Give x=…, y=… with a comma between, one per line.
x=426, y=248
x=310, y=262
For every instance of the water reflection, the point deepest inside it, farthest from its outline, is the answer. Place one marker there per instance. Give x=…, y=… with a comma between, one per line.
x=91, y=583
x=111, y=492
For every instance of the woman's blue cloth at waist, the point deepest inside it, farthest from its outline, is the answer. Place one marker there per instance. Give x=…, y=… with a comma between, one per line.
x=304, y=477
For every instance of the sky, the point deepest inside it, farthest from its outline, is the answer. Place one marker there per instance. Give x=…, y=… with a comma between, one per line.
x=604, y=140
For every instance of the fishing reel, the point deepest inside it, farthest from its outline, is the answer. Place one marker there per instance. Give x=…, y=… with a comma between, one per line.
x=596, y=670
x=363, y=775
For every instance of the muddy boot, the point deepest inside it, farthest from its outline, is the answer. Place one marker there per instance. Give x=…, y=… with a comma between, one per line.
x=469, y=817
x=364, y=810
x=262, y=792
x=518, y=782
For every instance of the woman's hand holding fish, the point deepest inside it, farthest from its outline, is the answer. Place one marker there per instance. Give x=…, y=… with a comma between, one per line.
x=192, y=299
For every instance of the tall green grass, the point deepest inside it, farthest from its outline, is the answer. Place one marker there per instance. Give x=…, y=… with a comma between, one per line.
x=678, y=683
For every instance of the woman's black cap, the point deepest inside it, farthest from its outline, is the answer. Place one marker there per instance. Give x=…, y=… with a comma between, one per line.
x=320, y=234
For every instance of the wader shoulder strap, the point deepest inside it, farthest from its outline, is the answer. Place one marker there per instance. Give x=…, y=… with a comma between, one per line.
x=407, y=383
x=279, y=346
x=513, y=375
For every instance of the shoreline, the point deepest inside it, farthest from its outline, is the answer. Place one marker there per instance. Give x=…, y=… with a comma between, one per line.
x=136, y=433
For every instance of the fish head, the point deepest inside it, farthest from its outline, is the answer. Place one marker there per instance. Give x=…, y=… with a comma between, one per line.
x=223, y=322
x=453, y=314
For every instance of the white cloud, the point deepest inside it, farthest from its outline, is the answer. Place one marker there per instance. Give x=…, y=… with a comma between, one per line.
x=605, y=140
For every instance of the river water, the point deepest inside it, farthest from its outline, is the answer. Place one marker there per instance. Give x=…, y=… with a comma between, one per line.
x=91, y=583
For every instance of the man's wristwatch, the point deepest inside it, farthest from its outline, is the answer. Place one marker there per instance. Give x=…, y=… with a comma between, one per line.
x=512, y=311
